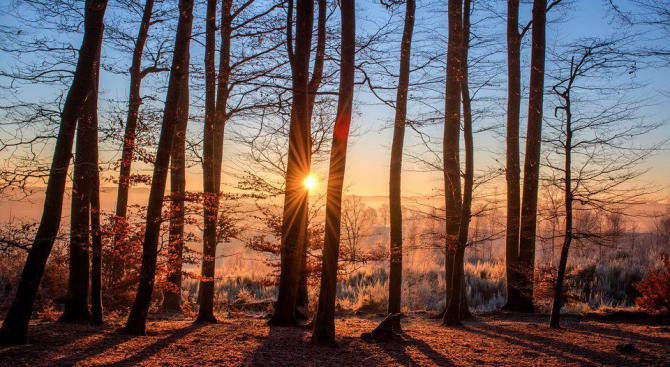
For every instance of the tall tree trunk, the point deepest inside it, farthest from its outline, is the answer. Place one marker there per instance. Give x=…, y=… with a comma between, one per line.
x=395, y=205
x=451, y=159
x=298, y=166
x=213, y=151
x=96, y=243
x=324, y=323
x=85, y=171
x=172, y=296
x=313, y=86
x=137, y=319
x=128, y=148
x=15, y=327
x=554, y=320
x=512, y=173
x=531, y=173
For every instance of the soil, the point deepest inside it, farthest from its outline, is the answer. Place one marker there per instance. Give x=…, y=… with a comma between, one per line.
x=490, y=340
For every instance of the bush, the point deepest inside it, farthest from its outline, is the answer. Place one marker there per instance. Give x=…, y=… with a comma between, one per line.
x=655, y=289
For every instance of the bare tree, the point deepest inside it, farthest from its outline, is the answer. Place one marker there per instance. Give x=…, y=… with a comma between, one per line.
x=324, y=322
x=136, y=322
x=15, y=327
x=595, y=141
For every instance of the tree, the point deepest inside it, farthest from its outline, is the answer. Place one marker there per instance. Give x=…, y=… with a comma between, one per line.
x=594, y=133
x=15, y=327
x=450, y=153
x=172, y=296
x=324, y=322
x=395, y=206
x=136, y=322
x=531, y=171
x=298, y=166
x=85, y=170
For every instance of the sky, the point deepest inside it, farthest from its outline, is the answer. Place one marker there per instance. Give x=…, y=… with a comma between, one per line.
x=369, y=150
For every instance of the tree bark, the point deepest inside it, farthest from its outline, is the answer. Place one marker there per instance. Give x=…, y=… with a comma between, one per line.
x=295, y=213
x=554, y=320
x=451, y=160
x=15, y=327
x=128, y=147
x=512, y=172
x=137, y=319
x=302, y=306
x=532, y=162
x=324, y=323
x=172, y=296
x=134, y=102
x=395, y=205
x=96, y=243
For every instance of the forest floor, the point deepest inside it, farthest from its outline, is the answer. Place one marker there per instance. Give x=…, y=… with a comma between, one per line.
x=499, y=339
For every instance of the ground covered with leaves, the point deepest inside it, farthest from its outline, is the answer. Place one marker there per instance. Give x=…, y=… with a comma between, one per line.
x=491, y=340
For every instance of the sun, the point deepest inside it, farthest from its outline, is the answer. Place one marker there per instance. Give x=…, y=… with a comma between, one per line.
x=310, y=182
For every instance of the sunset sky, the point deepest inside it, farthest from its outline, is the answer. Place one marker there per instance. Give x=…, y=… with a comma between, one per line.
x=369, y=150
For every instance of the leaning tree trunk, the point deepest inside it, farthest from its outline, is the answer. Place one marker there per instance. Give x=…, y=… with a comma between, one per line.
x=128, y=147
x=180, y=62
x=512, y=173
x=295, y=213
x=531, y=173
x=395, y=206
x=554, y=320
x=302, y=304
x=172, y=296
x=451, y=161
x=15, y=327
x=324, y=323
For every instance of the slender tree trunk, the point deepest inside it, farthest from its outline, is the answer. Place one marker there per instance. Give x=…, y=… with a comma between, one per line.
x=137, y=319
x=554, y=320
x=451, y=160
x=15, y=327
x=466, y=209
x=96, y=244
x=83, y=183
x=324, y=323
x=214, y=153
x=298, y=166
x=128, y=148
x=531, y=174
x=395, y=205
x=172, y=296
x=302, y=306
x=512, y=172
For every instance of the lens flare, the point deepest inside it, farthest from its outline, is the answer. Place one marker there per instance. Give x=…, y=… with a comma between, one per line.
x=310, y=182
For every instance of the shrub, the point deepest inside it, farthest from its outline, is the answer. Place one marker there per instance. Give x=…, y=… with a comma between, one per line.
x=655, y=289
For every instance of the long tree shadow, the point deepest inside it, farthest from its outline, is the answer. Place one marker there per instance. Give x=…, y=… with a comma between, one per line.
x=565, y=351
x=425, y=348
x=623, y=334
x=158, y=345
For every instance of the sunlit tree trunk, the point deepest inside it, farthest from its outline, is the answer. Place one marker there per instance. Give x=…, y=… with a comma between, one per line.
x=137, y=319
x=172, y=296
x=531, y=173
x=451, y=159
x=324, y=323
x=96, y=242
x=512, y=171
x=295, y=213
x=395, y=205
x=15, y=327
x=313, y=86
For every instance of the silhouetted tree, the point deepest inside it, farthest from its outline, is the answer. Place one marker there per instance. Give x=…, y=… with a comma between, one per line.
x=15, y=326
x=137, y=319
x=298, y=166
x=324, y=322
